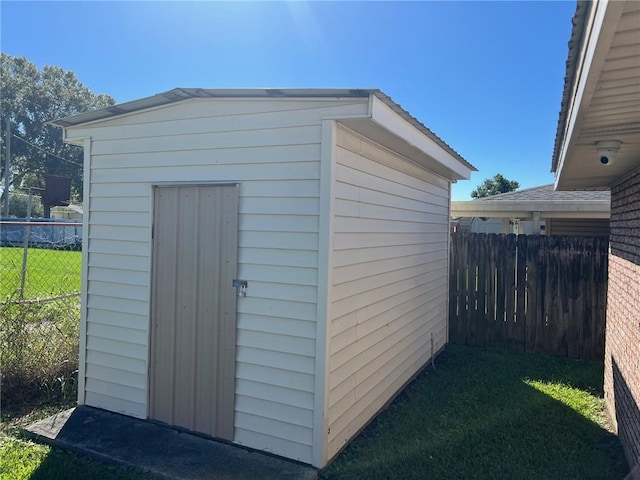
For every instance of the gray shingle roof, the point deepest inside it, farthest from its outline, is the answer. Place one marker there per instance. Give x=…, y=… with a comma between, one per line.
x=546, y=193
x=543, y=199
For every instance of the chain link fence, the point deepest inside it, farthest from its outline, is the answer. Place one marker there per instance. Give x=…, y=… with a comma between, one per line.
x=40, y=268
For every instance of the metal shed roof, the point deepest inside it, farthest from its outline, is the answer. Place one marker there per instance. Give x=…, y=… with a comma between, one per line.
x=180, y=94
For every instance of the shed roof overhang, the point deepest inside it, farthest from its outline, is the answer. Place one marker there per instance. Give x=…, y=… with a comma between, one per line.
x=387, y=122
x=601, y=98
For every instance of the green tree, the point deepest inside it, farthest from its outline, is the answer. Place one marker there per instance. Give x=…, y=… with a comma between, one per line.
x=30, y=98
x=494, y=186
x=18, y=205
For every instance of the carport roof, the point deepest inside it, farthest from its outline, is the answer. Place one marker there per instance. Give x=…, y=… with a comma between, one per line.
x=543, y=199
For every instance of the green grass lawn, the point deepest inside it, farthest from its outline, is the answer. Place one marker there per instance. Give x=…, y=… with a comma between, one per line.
x=48, y=273
x=22, y=459
x=482, y=413
x=490, y=414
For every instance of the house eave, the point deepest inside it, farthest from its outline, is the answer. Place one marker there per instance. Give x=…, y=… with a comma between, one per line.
x=581, y=19
x=525, y=209
x=598, y=99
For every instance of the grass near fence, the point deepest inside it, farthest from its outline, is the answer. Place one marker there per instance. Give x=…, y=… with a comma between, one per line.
x=481, y=414
x=39, y=358
x=38, y=336
x=22, y=459
x=48, y=273
x=39, y=352
x=491, y=414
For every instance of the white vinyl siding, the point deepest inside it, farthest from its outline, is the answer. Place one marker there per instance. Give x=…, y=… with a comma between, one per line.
x=338, y=316
x=389, y=279
x=272, y=149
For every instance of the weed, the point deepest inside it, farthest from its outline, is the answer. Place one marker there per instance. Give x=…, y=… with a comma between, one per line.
x=39, y=350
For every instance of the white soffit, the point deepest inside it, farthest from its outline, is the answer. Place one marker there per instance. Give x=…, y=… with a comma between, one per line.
x=606, y=100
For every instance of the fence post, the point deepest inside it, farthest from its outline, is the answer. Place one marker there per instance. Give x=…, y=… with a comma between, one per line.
x=25, y=251
x=7, y=174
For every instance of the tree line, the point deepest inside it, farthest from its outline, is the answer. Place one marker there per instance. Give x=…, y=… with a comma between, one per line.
x=30, y=97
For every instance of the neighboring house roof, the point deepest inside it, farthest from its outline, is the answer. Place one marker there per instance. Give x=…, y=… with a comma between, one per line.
x=180, y=94
x=546, y=193
x=76, y=208
x=543, y=199
x=601, y=97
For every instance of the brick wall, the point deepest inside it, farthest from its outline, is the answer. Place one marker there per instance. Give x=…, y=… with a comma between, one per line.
x=622, y=344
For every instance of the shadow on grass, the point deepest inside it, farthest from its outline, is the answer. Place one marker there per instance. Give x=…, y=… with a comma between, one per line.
x=478, y=416
x=63, y=465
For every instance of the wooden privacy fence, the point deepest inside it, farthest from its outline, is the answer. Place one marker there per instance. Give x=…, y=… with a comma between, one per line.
x=543, y=294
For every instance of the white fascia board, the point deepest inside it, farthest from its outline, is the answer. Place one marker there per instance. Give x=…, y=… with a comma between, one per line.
x=597, y=209
x=79, y=140
x=384, y=116
x=602, y=30
x=529, y=215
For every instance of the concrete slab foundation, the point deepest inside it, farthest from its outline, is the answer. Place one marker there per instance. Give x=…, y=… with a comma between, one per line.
x=160, y=450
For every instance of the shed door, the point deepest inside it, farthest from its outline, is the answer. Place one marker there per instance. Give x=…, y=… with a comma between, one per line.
x=193, y=318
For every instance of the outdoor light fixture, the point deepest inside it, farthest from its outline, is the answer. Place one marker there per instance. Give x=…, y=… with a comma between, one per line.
x=608, y=151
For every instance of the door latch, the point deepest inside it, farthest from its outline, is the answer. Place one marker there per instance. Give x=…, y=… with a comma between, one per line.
x=241, y=287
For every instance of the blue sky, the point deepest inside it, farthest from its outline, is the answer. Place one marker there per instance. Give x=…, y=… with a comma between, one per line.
x=487, y=77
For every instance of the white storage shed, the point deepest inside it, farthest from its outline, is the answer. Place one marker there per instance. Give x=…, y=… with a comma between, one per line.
x=264, y=266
